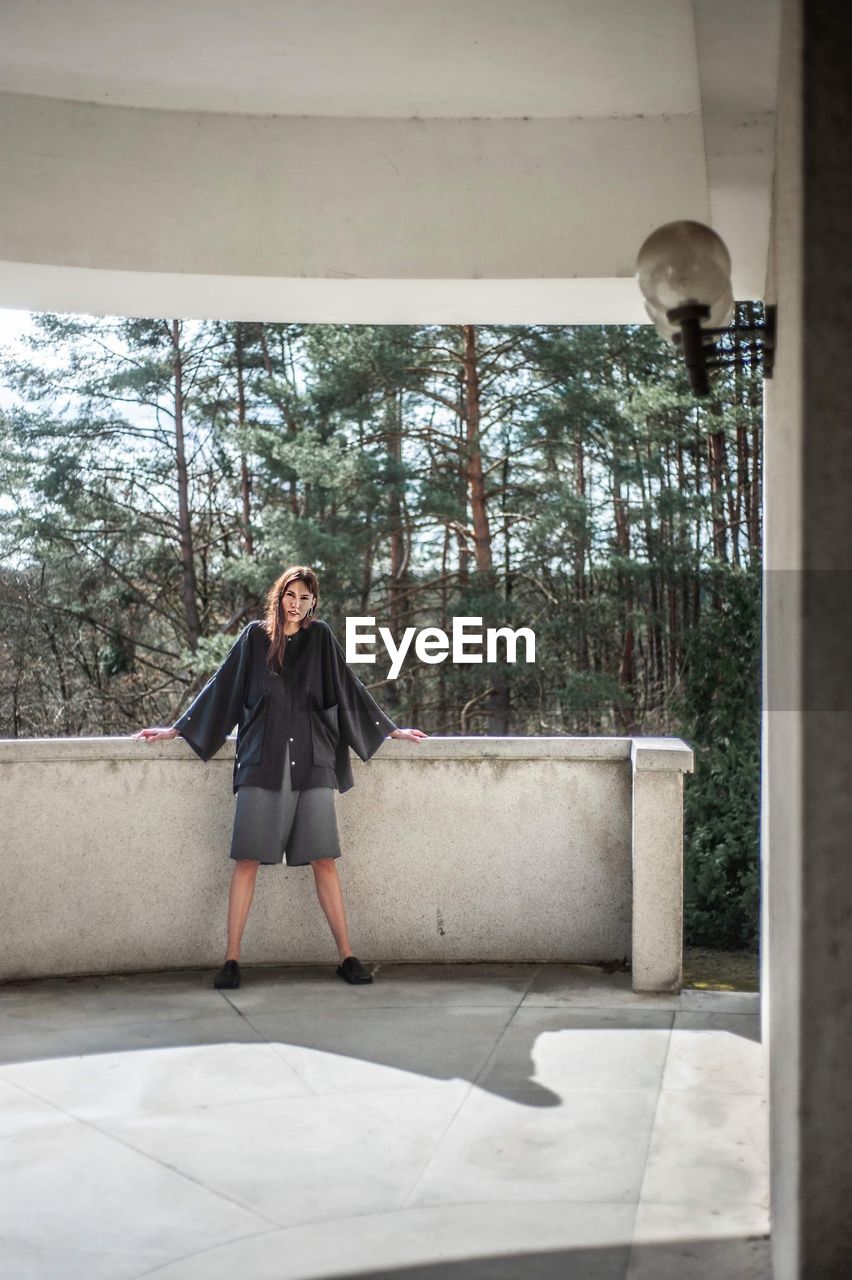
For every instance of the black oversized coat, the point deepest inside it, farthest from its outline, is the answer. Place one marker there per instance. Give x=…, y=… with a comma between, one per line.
x=316, y=702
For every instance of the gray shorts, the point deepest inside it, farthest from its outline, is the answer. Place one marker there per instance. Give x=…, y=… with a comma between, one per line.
x=270, y=824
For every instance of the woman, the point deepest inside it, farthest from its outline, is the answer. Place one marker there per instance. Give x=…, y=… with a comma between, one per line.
x=299, y=707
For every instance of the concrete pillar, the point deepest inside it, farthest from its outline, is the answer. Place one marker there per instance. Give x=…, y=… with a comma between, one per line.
x=657, y=945
x=807, y=781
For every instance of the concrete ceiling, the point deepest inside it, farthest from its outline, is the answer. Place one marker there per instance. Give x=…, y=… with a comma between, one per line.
x=493, y=58
x=385, y=159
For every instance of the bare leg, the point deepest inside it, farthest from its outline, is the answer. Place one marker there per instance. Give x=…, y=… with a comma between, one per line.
x=239, y=902
x=330, y=894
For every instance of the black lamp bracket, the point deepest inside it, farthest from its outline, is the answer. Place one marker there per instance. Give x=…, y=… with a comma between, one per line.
x=699, y=345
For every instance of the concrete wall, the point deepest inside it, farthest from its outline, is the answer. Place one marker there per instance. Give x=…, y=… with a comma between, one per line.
x=115, y=857
x=807, y=787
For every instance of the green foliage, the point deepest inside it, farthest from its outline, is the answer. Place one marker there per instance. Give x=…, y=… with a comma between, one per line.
x=718, y=706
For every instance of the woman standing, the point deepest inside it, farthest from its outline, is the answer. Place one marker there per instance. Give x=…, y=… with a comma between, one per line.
x=299, y=707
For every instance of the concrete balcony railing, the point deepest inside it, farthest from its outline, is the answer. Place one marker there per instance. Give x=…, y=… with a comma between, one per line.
x=457, y=849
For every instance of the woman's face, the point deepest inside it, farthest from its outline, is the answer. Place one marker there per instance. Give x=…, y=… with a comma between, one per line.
x=296, y=601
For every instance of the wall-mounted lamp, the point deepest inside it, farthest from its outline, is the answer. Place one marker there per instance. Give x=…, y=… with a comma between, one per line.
x=684, y=271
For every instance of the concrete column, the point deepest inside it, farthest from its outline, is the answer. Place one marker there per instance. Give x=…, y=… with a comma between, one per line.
x=657, y=950
x=807, y=780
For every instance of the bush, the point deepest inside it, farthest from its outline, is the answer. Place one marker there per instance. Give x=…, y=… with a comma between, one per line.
x=718, y=708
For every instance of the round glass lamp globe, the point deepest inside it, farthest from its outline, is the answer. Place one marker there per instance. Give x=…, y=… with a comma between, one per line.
x=721, y=312
x=665, y=328
x=683, y=262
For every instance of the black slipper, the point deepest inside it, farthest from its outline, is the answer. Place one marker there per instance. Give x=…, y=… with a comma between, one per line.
x=352, y=970
x=228, y=975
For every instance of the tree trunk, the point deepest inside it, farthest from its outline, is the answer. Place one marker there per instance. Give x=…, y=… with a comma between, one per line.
x=716, y=466
x=482, y=550
x=626, y=711
x=581, y=552
x=397, y=604
x=245, y=478
x=189, y=586
x=473, y=455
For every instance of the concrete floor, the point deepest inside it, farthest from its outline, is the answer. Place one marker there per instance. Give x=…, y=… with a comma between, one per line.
x=461, y=1121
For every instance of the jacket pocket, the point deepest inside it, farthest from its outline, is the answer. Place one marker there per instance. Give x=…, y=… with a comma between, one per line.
x=251, y=732
x=325, y=734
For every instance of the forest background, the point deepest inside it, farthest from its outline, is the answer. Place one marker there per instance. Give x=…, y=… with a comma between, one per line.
x=157, y=475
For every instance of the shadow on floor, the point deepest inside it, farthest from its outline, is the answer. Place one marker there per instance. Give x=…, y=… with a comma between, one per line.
x=438, y=1021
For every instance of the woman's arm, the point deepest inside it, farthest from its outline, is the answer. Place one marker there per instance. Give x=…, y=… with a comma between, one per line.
x=363, y=724
x=156, y=733
x=214, y=711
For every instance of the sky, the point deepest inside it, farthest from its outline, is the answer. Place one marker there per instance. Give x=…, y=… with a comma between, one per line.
x=13, y=324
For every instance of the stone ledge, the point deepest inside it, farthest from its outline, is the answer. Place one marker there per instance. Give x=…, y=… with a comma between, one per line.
x=660, y=755
x=646, y=753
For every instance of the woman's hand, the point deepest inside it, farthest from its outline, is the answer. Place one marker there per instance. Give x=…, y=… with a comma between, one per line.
x=413, y=734
x=154, y=735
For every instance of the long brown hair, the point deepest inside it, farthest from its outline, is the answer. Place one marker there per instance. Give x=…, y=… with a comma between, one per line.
x=274, y=618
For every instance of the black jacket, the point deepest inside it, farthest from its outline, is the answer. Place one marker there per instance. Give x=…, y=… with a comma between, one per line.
x=316, y=701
